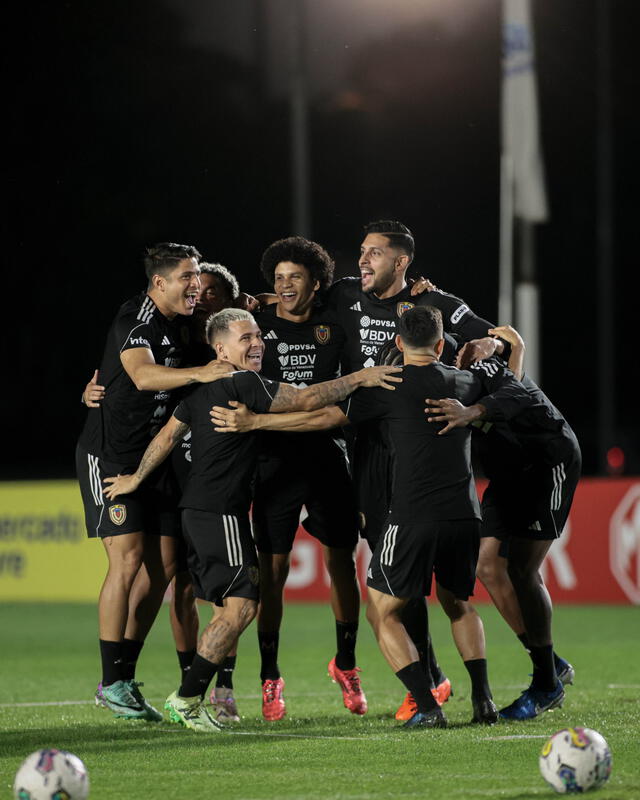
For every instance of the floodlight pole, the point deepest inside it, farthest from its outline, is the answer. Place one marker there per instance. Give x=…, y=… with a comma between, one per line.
x=299, y=123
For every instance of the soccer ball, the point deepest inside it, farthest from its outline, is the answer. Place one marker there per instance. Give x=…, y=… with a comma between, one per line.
x=575, y=760
x=51, y=774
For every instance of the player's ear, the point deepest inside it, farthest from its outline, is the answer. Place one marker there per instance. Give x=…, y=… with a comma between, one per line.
x=399, y=343
x=157, y=281
x=439, y=347
x=402, y=262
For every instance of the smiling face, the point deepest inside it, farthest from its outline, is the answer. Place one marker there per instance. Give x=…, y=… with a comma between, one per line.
x=241, y=344
x=213, y=296
x=382, y=266
x=177, y=291
x=295, y=289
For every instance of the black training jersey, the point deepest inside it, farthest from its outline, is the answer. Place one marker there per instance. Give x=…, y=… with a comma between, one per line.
x=433, y=478
x=222, y=464
x=127, y=419
x=370, y=322
x=538, y=434
x=301, y=353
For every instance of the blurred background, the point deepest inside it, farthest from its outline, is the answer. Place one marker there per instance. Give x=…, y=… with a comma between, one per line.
x=228, y=125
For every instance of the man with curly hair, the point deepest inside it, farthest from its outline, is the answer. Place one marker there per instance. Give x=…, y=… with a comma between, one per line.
x=304, y=345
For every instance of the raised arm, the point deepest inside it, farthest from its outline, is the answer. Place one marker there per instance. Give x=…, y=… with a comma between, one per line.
x=516, y=359
x=159, y=448
x=141, y=367
x=290, y=398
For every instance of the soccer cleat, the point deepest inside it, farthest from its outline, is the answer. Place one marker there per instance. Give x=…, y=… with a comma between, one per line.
x=349, y=680
x=223, y=705
x=443, y=691
x=190, y=712
x=428, y=719
x=408, y=707
x=152, y=714
x=273, y=705
x=117, y=698
x=484, y=711
x=533, y=702
x=565, y=672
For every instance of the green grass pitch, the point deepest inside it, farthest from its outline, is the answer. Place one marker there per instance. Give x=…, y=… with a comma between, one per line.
x=49, y=669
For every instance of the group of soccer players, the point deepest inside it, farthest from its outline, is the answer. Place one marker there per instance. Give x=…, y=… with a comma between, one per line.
x=345, y=398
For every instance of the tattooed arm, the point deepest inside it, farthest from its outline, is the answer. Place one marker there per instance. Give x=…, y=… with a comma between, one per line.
x=289, y=398
x=159, y=448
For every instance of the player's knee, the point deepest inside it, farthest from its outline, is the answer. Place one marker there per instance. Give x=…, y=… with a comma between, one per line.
x=488, y=573
x=246, y=614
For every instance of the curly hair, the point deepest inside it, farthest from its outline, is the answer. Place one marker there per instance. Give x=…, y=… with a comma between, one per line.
x=298, y=250
x=228, y=279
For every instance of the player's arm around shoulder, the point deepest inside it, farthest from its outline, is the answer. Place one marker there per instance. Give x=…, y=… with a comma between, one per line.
x=147, y=375
x=157, y=451
x=240, y=419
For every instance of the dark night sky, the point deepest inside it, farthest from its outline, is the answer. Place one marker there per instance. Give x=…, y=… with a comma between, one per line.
x=135, y=122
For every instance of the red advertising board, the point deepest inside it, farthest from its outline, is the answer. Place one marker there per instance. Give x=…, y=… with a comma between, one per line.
x=596, y=560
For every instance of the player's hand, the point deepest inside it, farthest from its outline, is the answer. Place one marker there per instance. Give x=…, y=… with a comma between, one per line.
x=452, y=412
x=238, y=419
x=246, y=302
x=476, y=350
x=93, y=392
x=266, y=299
x=383, y=376
x=121, y=484
x=509, y=334
x=213, y=370
x=420, y=285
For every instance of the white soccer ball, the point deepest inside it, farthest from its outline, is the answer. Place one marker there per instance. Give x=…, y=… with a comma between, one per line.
x=51, y=774
x=575, y=760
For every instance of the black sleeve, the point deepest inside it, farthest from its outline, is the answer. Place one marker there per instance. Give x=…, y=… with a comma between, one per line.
x=183, y=412
x=253, y=390
x=503, y=395
x=364, y=405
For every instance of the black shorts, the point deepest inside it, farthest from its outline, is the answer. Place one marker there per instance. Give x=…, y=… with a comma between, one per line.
x=373, y=481
x=408, y=555
x=534, y=504
x=221, y=556
x=152, y=509
x=319, y=481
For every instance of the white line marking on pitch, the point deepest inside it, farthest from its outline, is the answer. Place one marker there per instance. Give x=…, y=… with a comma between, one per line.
x=517, y=736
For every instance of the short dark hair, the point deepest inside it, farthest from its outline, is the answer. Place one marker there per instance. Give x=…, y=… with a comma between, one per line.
x=420, y=326
x=160, y=259
x=224, y=275
x=298, y=250
x=398, y=235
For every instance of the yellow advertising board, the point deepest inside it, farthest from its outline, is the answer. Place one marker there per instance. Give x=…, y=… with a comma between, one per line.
x=45, y=554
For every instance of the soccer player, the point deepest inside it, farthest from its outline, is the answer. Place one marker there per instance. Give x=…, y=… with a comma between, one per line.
x=433, y=523
x=303, y=345
x=216, y=500
x=368, y=308
x=140, y=368
x=533, y=464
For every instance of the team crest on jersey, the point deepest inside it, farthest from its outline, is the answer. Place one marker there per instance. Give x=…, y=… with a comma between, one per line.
x=117, y=514
x=404, y=306
x=322, y=333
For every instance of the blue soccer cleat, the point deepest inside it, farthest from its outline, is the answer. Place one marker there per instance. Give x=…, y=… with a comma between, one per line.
x=430, y=719
x=533, y=702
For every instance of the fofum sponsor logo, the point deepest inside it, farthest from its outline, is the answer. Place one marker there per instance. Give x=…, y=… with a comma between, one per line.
x=624, y=544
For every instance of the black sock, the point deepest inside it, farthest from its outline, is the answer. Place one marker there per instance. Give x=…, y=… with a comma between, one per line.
x=225, y=673
x=346, y=635
x=544, y=670
x=268, y=644
x=415, y=619
x=130, y=653
x=198, y=678
x=525, y=641
x=417, y=683
x=111, y=657
x=437, y=675
x=477, y=669
x=185, y=659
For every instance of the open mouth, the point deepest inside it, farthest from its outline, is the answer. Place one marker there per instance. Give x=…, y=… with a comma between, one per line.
x=191, y=299
x=288, y=296
x=366, y=275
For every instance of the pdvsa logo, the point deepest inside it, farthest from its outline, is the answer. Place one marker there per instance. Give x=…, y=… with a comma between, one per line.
x=624, y=544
